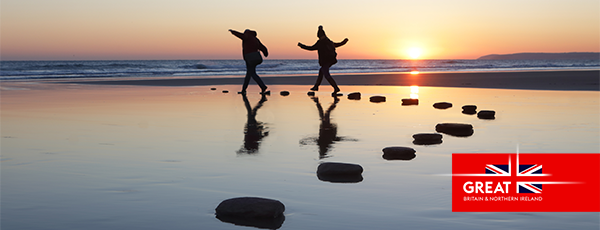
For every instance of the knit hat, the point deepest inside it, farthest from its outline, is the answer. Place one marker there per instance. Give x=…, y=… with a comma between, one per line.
x=321, y=32
x=250, y=33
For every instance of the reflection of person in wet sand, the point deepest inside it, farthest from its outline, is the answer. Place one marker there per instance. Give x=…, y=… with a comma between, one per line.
x=327, y=58
x=327, y=130
x=255, y=130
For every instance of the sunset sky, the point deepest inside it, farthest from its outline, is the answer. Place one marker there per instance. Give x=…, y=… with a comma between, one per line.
x=377, y=29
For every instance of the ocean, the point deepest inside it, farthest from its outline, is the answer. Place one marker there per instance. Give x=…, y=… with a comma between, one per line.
x=30, y=70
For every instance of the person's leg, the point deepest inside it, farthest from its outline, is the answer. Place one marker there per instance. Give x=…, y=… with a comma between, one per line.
x=319, y=79
x=249, y=69
x=327, y=76
x=255, y=60
x=252, y=60
x=259, y=81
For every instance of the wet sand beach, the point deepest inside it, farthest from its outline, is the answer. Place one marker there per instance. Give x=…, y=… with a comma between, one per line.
x=536, y=80
x=150, y=154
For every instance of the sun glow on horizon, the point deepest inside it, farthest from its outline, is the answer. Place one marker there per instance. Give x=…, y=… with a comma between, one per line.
x=415, y=52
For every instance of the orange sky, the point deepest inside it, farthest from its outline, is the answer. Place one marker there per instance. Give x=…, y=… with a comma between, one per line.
x=377, y=29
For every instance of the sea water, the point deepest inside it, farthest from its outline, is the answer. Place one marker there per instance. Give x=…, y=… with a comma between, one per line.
x=23, y=70
x=125, y=157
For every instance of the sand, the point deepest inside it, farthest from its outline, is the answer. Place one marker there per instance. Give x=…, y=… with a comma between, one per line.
x=123, y=155
x=588, y=80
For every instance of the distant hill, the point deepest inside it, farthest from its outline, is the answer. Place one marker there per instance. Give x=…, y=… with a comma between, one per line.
x=543, y=56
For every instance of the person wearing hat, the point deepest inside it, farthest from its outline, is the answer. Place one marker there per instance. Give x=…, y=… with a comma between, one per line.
x=250, y=49
x=327, y=57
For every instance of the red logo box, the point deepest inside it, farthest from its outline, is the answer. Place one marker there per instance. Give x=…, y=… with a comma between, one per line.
x=510, y=182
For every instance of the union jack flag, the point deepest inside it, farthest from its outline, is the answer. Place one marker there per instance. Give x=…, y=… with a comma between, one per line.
x=498, y=169
x=529, y=187
x=530, y=170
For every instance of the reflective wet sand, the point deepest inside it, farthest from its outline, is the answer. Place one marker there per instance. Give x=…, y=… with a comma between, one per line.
x=145, y=157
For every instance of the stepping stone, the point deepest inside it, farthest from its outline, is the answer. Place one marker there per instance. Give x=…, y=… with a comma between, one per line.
x=399, y=153
x=252, y=211
x=225, y=91
x=213, y=88
x=442, y=105
x=377, y=99
x=284, y=93
x=455, y=129
x=427, y=138
x=354, y=96
x=487, y=114
x=340, y=172
x=310, y=93
x=469, y=109
x=410, y=101
x=337, y=94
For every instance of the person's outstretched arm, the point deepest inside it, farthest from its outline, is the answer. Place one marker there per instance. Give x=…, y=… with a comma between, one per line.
x=341, y=43
x=262, y=48
x=237, y=34
x=313, y=47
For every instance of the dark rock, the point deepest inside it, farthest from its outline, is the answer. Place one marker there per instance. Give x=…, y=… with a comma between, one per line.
x=410, y=101
x=469, y=112
x=340, y=172
x=225, y=91
x=455, y=129
x=334, y=168
x=354, y=96
x=399, y=153
x=487, y=114
x=284, y=93
x=442, y=105
x=469, y=107
x=250, y=207
x=213, y=88
x=310, y=93
x=427, y=138
x=377, y=99
x=252, y=211
x=337, y=94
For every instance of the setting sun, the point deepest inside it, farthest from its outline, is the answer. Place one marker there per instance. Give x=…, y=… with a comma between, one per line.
x=414, y=52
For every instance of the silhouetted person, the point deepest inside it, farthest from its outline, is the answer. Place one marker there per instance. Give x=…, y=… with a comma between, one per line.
x=327, y=57
x=254, y=131
x=250, y=48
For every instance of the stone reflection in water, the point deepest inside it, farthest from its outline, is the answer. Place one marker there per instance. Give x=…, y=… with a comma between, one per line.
x=255, y=130
x=327, y=130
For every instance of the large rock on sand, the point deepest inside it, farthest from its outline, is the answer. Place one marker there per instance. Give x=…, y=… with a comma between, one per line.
x=399, y=153
x=486, y=114
x=455, y=129
x=354, y=96
x=252, y=211
x=284, y=93
x=469, y=109
x=339, y=172
x=410, y=101
x=377, y=99
x=427, y=138
x=442, y=105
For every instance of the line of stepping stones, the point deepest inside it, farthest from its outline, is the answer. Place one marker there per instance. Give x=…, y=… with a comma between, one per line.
x=268, y=213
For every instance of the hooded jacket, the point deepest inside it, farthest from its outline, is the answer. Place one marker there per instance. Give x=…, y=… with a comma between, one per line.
x=250, y=43
x=325, y=48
